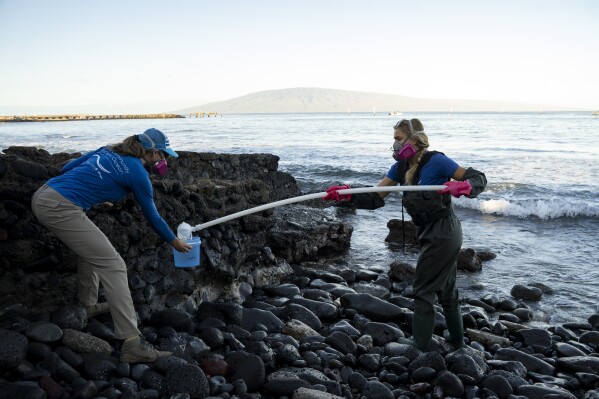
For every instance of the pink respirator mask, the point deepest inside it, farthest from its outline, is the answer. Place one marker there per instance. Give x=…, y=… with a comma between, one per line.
x=160, y=167
x=402, y=152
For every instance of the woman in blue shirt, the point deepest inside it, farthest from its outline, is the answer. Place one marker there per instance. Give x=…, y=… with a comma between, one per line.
x=439, y=230
x=105, y=175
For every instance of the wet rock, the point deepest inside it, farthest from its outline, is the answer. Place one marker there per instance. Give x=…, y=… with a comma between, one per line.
x=21, y=389
x=423, y=374
x=59, y=369
x=371, y=289
x=307, y=393
x=99, y=366
x=287, y=354
x=88, y=391
x=337, y=290
x=523, y=314
x=311, y=376
x=247, y=367
x=401, y=232
x=467, y=361
x=303, y=314
x=530, y=362
x=498, y=385
x=589, y=337
x=13, y=348
x=44, y=332
x=468, y=261
x=298, y=330
x=52, y=388
x=84, y=343
x=485, y=255
x=69, y=356
x=345, y=327
x=284, y=290
x=449, y=383
x=342, y=342
x=511, y=366
x=175, y=318
x=69, y=316
x=428, y=359
x=584, y=364
x=374, y=308
x=487, y=339
x=526, y=292
x=36, y=350
x=382, y=333
x=154, y=380
x=100, y=330
x=535, y=336
x=283, y=385
x=542, y=391
x=323, y=310
x=187, y=378
x=212, y=336
x=253, y=317
x=370, y=361
x=228, y=312
x=564, y=349
x=377, y=390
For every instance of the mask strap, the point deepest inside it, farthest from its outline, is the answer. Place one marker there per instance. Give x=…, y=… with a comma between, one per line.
x=410, y=126
x=412, y=131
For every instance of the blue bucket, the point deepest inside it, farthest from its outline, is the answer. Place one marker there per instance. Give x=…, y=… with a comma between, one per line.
x=190, y=259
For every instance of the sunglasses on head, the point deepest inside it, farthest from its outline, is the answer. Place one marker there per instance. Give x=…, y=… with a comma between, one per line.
x=401, y=122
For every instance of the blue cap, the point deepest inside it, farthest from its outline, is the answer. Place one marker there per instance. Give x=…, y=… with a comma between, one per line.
x=156, y=140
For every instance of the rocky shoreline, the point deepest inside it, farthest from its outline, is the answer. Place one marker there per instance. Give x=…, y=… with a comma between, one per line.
x=272, y=312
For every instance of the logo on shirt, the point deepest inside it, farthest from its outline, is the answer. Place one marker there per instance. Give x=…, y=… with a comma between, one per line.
x=102, y=168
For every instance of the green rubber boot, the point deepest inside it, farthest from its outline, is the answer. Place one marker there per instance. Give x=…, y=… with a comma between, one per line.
x=422, y=333
x=455, y=329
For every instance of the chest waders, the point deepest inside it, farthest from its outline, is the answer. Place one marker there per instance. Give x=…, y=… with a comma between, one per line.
x=439, y=235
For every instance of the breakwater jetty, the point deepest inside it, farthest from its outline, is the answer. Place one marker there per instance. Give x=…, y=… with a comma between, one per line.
x=84, y=117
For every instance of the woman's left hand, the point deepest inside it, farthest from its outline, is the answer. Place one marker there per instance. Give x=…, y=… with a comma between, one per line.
x=181, y=245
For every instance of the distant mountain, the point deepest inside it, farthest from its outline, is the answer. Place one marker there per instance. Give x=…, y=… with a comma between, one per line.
x=306, y=99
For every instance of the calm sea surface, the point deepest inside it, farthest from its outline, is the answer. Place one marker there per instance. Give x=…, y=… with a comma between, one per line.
x=540, y=213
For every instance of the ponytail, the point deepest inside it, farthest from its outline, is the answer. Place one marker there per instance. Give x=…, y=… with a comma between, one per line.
x=410, y=172
x=129, y=146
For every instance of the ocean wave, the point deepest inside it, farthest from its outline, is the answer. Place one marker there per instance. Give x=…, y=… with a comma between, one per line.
x=540, y=208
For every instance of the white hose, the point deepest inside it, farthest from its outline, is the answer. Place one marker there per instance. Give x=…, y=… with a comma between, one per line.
x=184, y=230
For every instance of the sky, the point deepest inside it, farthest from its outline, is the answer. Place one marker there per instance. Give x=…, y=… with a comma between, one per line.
x=158, y=56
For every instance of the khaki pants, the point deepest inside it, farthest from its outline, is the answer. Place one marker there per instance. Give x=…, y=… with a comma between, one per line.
x=98, y=260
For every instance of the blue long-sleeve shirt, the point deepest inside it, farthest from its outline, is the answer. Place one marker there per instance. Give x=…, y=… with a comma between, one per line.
x=105, y=176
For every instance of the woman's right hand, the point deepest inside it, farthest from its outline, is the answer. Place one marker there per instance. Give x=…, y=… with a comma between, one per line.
x=181, y=245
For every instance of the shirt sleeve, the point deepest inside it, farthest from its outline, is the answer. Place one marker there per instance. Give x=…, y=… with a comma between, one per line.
x=76, y=162
x=393, y=172
x=445, y=166
x=142, y=189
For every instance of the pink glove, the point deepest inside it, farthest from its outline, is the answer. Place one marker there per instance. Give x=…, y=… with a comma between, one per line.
x=333, y=195
x=456, y=188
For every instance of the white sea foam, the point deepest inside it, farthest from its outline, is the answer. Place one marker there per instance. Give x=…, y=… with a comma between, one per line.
x=543, y=209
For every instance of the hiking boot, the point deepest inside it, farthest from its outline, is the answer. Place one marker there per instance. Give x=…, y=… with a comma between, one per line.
x=138, y=350
x=97, y=309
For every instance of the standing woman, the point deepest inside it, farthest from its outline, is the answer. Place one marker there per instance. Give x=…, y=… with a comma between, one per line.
x=438, y=229
x=105, y=175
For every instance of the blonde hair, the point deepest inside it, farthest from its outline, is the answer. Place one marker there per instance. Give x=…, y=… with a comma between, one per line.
x=420, y=142
x=129, y=146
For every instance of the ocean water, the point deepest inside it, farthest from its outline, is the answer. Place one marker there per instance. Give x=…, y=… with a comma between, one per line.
x=539, y=214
